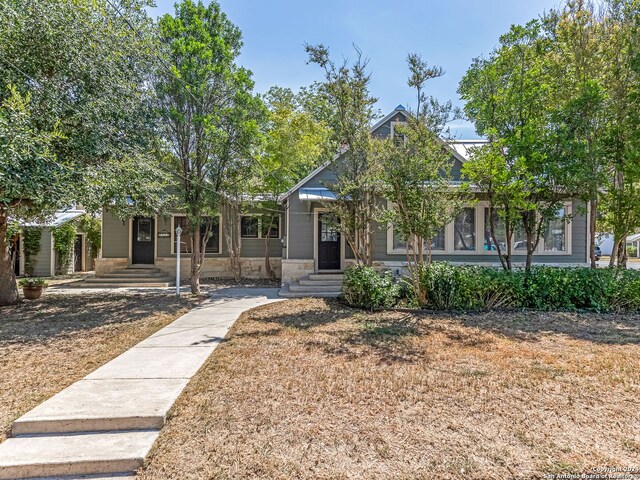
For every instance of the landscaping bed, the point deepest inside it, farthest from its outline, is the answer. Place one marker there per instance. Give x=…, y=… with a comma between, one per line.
x=313, y=389
x=48, y=344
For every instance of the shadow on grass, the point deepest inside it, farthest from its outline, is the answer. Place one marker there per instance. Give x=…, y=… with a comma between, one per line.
x=56, y=315
x=616, y=329
x=382, y=337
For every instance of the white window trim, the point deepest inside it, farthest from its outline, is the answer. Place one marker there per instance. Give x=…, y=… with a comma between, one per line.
x=260, y=237
x=540, y=248
x=449, y=232
x=479, y=250
x=173, y=232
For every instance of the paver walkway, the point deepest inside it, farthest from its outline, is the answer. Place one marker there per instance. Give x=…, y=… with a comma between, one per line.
x=106, y=423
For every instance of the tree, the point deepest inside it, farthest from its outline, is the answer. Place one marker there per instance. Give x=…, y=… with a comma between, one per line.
x=416, y=174
x=73, y=100
x=346, y=88
x=621, y=199
x=507, y=97
x=210, y=119
x=295, y=142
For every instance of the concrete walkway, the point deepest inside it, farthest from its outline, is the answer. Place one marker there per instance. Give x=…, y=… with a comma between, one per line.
x=106, y=423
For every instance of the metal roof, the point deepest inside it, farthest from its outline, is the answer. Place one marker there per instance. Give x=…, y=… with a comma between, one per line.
x=59, y=218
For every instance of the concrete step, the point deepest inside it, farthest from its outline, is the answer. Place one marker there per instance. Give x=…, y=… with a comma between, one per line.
x=285, y=292
x=326, y=283
x=103, y=405
x=295, y=287
x=326, y=276
x=109, y=284
x=74, y=454
x=129, y=279
x=134, y=273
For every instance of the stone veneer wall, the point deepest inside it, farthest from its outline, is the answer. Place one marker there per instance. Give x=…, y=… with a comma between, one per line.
x=108, y=265
x=293, y=270
x=218, y=267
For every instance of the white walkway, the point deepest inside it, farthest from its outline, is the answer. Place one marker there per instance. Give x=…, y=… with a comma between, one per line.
x=106, y=423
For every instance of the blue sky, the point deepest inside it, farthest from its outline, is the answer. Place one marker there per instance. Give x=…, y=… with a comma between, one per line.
x=449, y=33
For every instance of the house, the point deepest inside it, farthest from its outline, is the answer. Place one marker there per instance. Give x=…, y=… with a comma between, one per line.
x=304, y=244
x=311, y=246
x=633, y=245
x=44, y=260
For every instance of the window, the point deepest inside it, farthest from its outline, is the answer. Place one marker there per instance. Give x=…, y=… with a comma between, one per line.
x=256, y=226
x=499, y=230
x=144, y=230
x=249, y=226
x=555, y=236
x=464, y=227
x=437, y=243
x=399, y=138
x=275, y=227
x=213, y=244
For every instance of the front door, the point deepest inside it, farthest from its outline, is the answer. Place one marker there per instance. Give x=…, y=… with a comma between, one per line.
x=14, y=252
x=142, y=242
x=78, y=253
x=328, y=245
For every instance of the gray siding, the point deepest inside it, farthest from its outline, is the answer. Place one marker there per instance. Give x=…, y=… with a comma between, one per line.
x=163, y=224
x=42, y=263
x=115, y=242
x=300, y=228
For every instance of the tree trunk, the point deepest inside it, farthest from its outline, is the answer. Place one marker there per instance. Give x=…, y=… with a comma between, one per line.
x=195, y=262
x=8, y=288
x=593, y=214
x=267, y=263
x=614, y=252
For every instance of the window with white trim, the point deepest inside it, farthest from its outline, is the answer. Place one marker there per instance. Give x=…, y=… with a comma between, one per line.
x=555, y=236
x=256, y=226
x=464, y=230
x=213, y=244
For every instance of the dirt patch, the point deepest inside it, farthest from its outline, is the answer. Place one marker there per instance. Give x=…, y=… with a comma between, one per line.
x=47, y=344
x=312, y=389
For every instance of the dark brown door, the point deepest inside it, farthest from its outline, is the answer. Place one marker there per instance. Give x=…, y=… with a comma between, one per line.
x=328, y=245
x=78, y=253
x=14, y=251
x=142, y=242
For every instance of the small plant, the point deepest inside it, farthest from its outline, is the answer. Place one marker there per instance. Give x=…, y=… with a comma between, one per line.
x=632, y=251
x=363, y=287
x=33, y=282
x=64, y=237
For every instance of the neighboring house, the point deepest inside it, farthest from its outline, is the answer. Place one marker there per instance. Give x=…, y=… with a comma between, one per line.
x=305, y=244
x=605, y=242
x=634, y=241
x=44, y=263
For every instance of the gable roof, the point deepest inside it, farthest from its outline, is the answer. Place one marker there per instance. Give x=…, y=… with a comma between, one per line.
x=458, y=149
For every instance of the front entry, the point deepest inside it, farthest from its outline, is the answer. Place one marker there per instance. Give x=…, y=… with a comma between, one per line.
x=328, y=245
x=78, y=254
x=142, y=243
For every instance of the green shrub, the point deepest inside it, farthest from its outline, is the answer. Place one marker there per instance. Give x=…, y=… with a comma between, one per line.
x=632, y=251
x=363, y=287
x=33, y=282
x=31, y=247
x=64, y=237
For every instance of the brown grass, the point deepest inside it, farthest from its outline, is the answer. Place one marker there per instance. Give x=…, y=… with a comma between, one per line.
x=310, y=389
x=48, y=344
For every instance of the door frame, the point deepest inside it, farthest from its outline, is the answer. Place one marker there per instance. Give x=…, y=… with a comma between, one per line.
x=316, y=211
x=154, y=234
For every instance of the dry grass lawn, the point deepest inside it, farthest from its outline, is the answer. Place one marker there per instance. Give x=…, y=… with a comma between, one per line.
x=311, y=389
x=47, y=344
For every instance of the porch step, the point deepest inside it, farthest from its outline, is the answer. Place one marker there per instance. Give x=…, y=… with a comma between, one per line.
x=314, y=285
x=296, y=287
x=145, y=276
x=326, y=283
x=326, y=276
x=286, y=293
x=75, y=454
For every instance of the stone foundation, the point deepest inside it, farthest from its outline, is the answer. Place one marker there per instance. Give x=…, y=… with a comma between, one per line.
x=108, y=265
x=219, y=267
x=293, y=270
